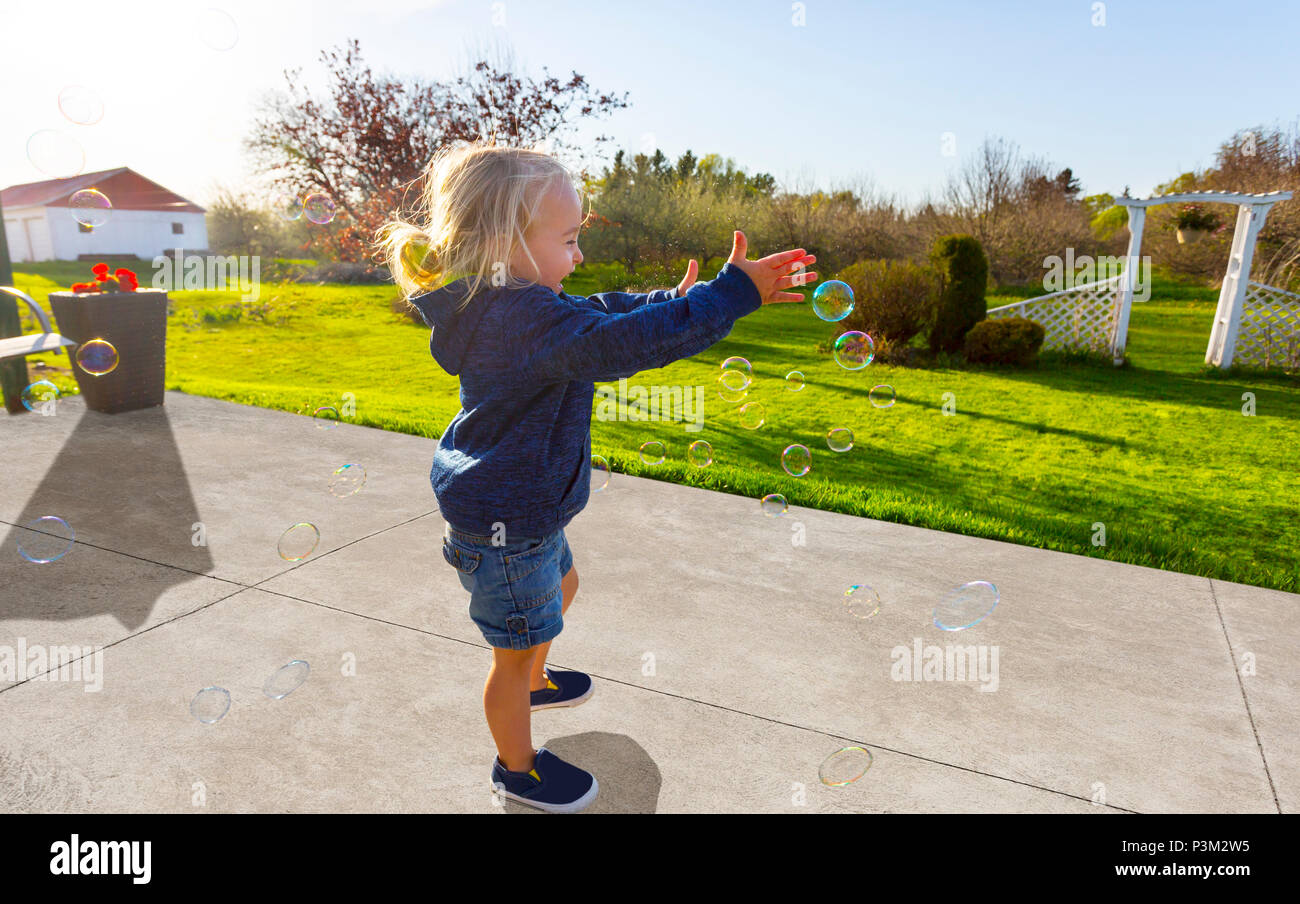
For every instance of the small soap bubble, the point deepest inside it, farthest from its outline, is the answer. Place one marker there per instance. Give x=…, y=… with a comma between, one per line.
x=794, y=381
x=653, y=452
x=862, y=601
x=50, y=540
x=327, y=417
x=319, y=208
x=56, y=154
x=599, y=473
x=287, y=206
x=90, y=207
x=740, y=366
x=97, y=357
x=298, y=542
x=39, y=393
x=773, y=504
x=966, y=606
x=797, y=460
x=832, y=300
x=347, y=480
x=845, y=766
x=286, y=680
x=210, y=704
x=81, y=105
x=839, y=439
x=752, y=415
x=882, y=396
x=854, y=350
x=217, y=29
x=700, y=454
x=735, y=380
x=731, y=396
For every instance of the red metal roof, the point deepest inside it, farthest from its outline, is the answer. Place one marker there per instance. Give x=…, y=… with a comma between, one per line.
x=125, y=188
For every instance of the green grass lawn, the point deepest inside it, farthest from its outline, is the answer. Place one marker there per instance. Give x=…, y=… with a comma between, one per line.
x=1159, y=452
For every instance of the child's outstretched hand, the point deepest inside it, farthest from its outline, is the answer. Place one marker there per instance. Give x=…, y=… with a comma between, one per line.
x=689, y=279
x=774, y=273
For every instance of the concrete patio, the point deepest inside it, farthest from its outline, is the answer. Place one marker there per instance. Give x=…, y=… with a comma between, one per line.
x=726, y=665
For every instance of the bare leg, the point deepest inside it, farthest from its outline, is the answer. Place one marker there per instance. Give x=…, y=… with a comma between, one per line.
x=505, y=702
x=568, y=586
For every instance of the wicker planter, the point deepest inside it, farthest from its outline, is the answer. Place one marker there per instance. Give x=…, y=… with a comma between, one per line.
x=136, y=324
x=1189, y=236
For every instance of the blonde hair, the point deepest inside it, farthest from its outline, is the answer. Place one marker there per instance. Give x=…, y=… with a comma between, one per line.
x=477, y=202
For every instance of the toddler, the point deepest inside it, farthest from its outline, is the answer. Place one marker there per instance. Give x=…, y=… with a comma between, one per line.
x=513, y=467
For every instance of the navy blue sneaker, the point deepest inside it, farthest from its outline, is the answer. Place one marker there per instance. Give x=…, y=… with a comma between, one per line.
x=551, y=785
x=562, y=689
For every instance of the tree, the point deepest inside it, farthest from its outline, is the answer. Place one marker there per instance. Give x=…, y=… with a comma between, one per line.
x=367, y=145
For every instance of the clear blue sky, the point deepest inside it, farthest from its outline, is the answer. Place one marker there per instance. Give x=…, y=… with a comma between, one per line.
x=863, y=90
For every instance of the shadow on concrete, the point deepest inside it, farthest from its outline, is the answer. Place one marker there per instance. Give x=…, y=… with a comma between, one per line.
x=629, y=780
x=120, y=484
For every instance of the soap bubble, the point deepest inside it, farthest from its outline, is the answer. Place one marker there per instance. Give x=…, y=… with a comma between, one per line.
x=966, y=606
x=210, y=704
x=862, y=601
x=752, y=415
x=217, y=29
x=882, y=396
x=81, y=105
x=700, y=454
x=740, y=366
x=599, y=473
x=56, y=154
x=97, y=357
x=318, y=208
x=287, y=206
x=347, y=480
x=39, y=393
x=773, y=504
x=286, y=680
x=298, y=542
x=797, y=460
x=832, y=300
x=327, y=418
x=854, y=350
x=51, y=540
x=731, y=396
x=652, y=453
x=90, y=207
x=845, y=766
x=735, y=380
x=794, y=381
x=839, y=439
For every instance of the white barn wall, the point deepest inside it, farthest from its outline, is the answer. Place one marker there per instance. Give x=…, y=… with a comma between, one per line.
x=145, y=233
x=22, y=224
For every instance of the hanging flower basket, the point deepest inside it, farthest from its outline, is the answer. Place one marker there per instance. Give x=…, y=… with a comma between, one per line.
x=1194, y=223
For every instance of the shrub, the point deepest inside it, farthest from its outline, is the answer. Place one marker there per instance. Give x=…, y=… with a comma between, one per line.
x=1012, y=340
x=893, y=300
x=963, y=275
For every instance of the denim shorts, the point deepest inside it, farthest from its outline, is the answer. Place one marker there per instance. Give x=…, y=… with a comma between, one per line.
x=515, y=595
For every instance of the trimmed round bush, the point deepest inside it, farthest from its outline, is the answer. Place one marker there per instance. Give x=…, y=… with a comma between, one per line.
x=1011, y=340
x=893, y=300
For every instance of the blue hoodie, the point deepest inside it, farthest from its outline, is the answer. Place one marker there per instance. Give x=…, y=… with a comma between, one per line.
x=519, y=450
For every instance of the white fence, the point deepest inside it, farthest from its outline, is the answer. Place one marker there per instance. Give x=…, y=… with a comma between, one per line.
x=1269, y=334
x=1083, y=317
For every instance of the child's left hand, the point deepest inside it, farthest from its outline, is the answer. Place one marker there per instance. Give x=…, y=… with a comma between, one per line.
x=689, y=279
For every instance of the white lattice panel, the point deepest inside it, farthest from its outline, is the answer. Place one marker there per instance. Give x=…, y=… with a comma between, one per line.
x=1269, y=333
x=1078, y=318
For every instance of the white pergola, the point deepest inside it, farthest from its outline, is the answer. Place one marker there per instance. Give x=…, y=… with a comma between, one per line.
x=1096, y=315
x=1252, y=210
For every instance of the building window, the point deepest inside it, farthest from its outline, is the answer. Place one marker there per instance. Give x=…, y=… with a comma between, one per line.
x=178, y=229
x=82, y=227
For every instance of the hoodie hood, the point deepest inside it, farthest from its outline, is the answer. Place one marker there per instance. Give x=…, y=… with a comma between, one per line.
x=453, y=331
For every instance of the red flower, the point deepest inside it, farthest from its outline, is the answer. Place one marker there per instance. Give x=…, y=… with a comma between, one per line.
x=83, y=287
x=100, y=270
x=127, y=279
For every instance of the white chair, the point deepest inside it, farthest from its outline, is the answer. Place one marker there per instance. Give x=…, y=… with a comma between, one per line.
x=48, y=340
